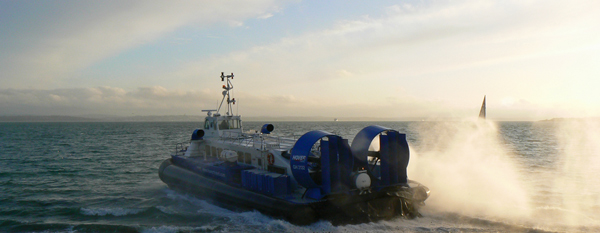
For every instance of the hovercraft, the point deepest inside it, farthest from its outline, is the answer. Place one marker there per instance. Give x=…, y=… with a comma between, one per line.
x=317, y=176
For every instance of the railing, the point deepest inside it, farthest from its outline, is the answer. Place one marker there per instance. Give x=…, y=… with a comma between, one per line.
x=236, y=138
x=258, y=141
x=180, y=149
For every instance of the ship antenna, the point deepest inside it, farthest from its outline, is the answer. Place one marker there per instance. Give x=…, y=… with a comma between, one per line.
x=227, y=87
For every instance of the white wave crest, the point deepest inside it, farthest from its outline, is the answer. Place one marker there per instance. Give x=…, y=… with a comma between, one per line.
x=174, y=229
x=109, y=211
x=166, y=210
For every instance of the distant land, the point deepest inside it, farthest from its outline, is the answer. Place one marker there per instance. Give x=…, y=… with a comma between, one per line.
x=42, y=119
x=99, y=118
x=571, y=119
x=180, y=118
x=200, y=118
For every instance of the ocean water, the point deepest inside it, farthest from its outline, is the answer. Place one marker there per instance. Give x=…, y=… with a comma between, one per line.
x=484, y=176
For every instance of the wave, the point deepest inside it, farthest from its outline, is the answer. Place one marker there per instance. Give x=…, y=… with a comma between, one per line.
x=120, y=212
x=19, y=226
x=109, y=211
x=174, y=229
x=204, y=206
x=255, y=221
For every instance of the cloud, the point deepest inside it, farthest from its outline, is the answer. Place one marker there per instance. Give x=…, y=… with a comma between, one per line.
x=157, y=100
x=418, y=40
x=434, y=50
x=265, y=16
x=68, y=36
x=432, y=58
x=104, y=100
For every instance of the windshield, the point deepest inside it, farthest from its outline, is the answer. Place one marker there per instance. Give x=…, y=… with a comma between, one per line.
x=230, y=124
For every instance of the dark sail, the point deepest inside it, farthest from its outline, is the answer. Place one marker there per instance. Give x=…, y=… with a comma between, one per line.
x=482, y=111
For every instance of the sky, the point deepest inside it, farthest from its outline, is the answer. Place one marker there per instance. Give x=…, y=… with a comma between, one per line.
x=344, y=59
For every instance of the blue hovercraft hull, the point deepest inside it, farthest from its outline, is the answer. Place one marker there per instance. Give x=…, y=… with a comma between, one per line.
x=180, y=178
x=338, y=209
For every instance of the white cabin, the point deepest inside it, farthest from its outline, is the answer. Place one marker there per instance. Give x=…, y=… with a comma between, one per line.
x=217, y=126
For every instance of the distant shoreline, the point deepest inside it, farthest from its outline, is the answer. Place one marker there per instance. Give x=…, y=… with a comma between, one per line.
x=197, y=118
x=57, y=118
x=176, y=118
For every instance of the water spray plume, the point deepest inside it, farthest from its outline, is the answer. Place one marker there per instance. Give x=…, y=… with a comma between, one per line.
x=550, y=182
x=468, y=169
x=576, y=184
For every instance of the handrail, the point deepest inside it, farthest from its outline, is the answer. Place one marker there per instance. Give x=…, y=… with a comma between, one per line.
x=261, y=141
x=180, y=149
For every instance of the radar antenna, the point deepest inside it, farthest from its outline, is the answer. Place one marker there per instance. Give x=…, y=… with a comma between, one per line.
x=227, y=87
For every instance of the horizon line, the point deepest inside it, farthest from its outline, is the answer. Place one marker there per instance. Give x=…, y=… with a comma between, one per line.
x=188, y=118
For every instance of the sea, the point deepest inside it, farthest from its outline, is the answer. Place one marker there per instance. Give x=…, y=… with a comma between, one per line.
x=484, y=176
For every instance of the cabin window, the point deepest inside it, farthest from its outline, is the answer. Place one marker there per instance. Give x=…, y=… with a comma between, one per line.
x=234, y=124
x=230, y=124
x=219, y=150
x=259, y=162
x=248, y=158
x=214, y=151
x=206, y=124
x=240, y=156
x=224, y=125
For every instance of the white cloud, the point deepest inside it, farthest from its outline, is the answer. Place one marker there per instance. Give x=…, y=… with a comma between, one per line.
x=265, y=16
x=81, y=33
x=103, y=100
x=158, y=100
x=450, y=51
x=431, y=58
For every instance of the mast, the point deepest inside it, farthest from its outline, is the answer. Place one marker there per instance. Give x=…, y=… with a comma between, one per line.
x=227, y=88
x=482, y=113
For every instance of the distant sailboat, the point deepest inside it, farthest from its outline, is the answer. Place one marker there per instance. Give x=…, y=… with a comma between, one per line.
x=482, y=111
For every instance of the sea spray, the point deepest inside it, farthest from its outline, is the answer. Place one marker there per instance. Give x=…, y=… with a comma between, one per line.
x=468, y=170
x=576, y=184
